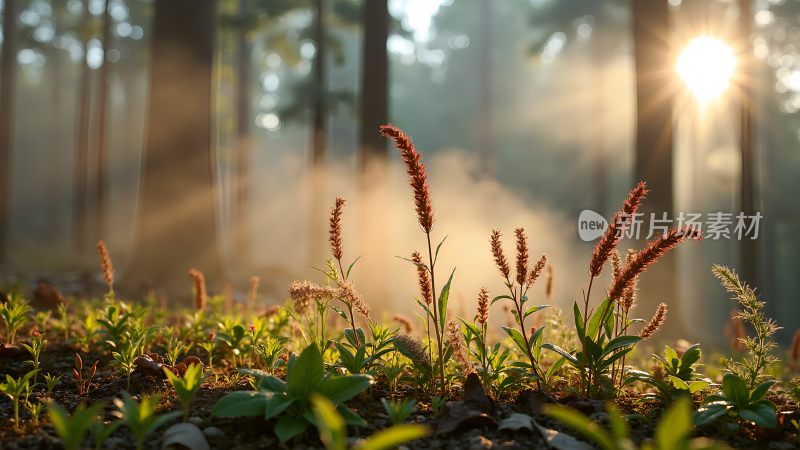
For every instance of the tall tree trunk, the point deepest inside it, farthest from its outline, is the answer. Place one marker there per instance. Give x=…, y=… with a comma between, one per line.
x=242, y=156
x=176, y=223
x=485, y=85
x=81, y=171
x=8, y=61
x=654, y=124
x=374, y=82
x=318, y=128
x=101, y=186
x=749, y=253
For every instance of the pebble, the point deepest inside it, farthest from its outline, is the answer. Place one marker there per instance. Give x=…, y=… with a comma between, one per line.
x=196, y=420
x=213, y=433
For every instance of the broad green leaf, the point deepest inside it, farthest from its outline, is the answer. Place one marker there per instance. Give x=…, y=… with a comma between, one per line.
x=735, y=389
x=619, y=427
x=760, y=391
x=678, y=383
x=576, y=311
x=241, y=404
x=501, y=297
x=305, y=375
x=340, y=389
x=710, y=412
x=602, y=313
x=393, y=437
x=762, y=413
x=276, y=405
x=518, y=339
x=534, y=309
x=697, y=386
x=567, y=355
x=289, y=426
x=620, y=342
x=675, y=425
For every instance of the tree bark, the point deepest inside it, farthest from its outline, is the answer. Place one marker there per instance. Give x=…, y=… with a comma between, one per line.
x=654, y=126
x=8, y=59
x=81, y=171
x=176, y=223
x=318, y=129
x=242, y=155
x=101, y=180
x=374, y=83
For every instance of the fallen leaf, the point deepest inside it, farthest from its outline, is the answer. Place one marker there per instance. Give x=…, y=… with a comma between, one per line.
x=458, y=415
x=516, y=421
x=186, y=435
x=561, y=441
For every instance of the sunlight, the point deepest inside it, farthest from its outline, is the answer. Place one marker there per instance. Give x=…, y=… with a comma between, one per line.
x=706, y=66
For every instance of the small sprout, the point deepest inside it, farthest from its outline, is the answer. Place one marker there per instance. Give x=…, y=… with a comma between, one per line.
x=186, y=386
x=72, y=427
x=140, y=417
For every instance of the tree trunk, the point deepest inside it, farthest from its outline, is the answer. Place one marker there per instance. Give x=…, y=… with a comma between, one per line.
x=484, y=87
x=8, y=63
x=318, y=128
x=654, y=78
x=374, y=83
x=242, y=156
x=101, y=180
x=176, y=222
x=81, y=171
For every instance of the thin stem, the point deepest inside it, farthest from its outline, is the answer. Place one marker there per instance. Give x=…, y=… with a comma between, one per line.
x=436, y=314
x=518, y=306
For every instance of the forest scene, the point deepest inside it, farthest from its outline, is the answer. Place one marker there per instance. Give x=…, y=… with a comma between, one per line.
x=399, y=224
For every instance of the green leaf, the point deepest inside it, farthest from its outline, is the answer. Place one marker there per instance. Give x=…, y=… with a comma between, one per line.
x=241, y=404
x=602, y=313
x=710, y=412
x=305, y=375
x=562, y=352
x=350, y=417
x=340, y=389
x=760, y=391
x=444, y=296
x=579, y=326
x=534, y=309
x=393, y=437
x=619, y=428
x=697, y=386
x=332, y=430
x=518, y=339
x=762, y=413
x=438, y=247
x=620, y=342
x=71, y=429
x=580, y=423
x=276, y=405
x=678, y=383
x=735, y=390
x=289, y=426
x=347, y=274
x=673, y=430
x=501, y=297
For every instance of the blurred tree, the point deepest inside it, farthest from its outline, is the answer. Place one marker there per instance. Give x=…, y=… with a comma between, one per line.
x=374, y=82
x=81, y=148
x=176, y=224
x=8, y=57
x=101, y=179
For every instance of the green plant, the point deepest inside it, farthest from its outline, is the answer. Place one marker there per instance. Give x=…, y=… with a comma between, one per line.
x=18, y=390
x=435, y=308
x=672, y=431
x=83, y=384
x=102, y=431
x=71, y=428
x=14, y=314
x=235, y=337
x=35, y=410
x=333, y=430
x=269, y=351
x=90, y=327
x=291, y=400
x=759, y=349
x=41, y=320
x=114, y=323
x=437, y=404
x=360, y=356
x=208, y=346
x=35, y=349
x=125, y=358
x=175, y=347
x=50, y=383
x=140, y=417
x=679, y=375
x=64, y=320
x=186, y=386
x=399, y=411
x=737, y=401
x=530, y=346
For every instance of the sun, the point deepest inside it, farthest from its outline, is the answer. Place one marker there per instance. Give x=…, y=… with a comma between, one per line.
x=706, y=65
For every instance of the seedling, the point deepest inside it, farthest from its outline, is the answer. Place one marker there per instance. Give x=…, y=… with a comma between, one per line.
x=83, y=384
x=186, y=386
x=18, y=390
x=71, y=428
x=399, y=411
x=141, y=417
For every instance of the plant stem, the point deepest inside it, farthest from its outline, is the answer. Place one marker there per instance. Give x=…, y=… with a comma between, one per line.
x=436, y=314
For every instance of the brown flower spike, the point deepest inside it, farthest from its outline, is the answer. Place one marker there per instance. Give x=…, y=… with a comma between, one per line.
x=424, y=278
x=655, y=322
x=648, y=255
x=483, y=307
x=335, y=229
x=457, y=344
x=613, y=234
x=537, y=270
x=199, y=289
x=417, y=175
x=499, y=256
x=522, y=256
x=105, y=264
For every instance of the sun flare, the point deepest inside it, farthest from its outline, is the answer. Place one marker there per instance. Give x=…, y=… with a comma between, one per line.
x=706, y=65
